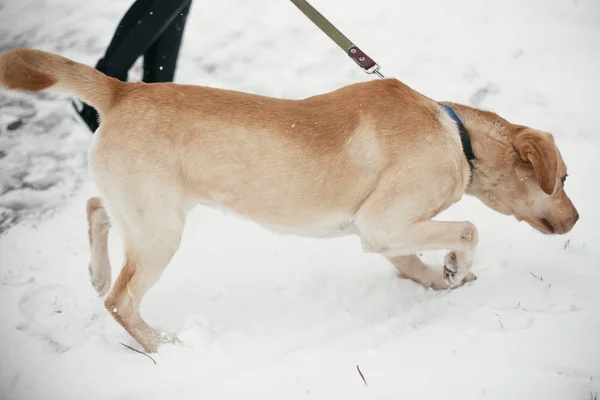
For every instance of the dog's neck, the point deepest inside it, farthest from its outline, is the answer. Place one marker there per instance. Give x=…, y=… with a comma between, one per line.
x=489, y=141
x=465, y=138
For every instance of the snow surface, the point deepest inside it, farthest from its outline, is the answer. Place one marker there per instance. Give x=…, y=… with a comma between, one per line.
x=280, y=317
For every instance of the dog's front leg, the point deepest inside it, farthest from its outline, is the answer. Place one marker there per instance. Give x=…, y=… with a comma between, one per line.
x=400, y=247
x=411, y=267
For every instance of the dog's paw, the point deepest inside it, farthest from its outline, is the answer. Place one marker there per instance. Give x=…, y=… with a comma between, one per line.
x=469, y=278
x=100, y=281
x=450, y=263
x=452, y=274
x=450, y=269
x=449, y=278
x=156, y=339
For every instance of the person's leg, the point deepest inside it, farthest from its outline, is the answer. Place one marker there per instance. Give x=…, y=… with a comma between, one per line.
x=143, y=34
x=144, y=22
x=160, y=61
x=134, y=14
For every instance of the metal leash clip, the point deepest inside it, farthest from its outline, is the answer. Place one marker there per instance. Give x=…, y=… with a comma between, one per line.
x=364, y=61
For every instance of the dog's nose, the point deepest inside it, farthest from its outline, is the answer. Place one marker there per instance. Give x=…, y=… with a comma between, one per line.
x=576, y=218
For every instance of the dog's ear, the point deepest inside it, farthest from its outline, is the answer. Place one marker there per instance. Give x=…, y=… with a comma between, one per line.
x=538, y=148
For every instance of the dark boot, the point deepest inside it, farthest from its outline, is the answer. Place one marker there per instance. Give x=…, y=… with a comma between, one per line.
x=88, y=114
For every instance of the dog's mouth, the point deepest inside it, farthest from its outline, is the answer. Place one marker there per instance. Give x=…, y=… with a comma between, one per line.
x=548, y=227
x=542, y=225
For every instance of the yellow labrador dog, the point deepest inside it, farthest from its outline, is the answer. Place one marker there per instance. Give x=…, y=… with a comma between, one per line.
x=374, y=159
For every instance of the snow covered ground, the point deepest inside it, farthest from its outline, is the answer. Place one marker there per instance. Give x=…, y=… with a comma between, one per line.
x=280, y=317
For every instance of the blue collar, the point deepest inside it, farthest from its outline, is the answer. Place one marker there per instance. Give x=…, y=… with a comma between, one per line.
x=464, y=134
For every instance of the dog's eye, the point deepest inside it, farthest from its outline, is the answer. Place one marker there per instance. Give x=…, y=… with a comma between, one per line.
x=563, y=179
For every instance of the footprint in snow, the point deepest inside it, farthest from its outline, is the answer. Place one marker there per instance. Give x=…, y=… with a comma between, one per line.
x=58, y=316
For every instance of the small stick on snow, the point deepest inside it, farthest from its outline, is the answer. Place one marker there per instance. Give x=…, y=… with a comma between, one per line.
x=537, y=277
x=361, y=375
x=501, y=324
x=137, y=351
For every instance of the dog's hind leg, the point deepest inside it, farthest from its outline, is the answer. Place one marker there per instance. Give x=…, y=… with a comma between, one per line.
x=151, y=240
x=98, y=226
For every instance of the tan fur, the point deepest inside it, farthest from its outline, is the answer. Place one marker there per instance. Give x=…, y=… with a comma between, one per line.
x=538, y=149
x=375, y=159
x=35, y=70
x=98, y=226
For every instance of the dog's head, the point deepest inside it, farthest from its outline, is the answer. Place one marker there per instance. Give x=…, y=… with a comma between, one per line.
x=524, y=175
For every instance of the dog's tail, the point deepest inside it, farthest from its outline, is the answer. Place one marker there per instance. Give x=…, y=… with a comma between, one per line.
x=35, y=70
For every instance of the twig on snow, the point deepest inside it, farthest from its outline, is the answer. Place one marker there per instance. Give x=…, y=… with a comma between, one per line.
x=500, y=322
x=541, y=278
x=361, y=375
x=137, y=351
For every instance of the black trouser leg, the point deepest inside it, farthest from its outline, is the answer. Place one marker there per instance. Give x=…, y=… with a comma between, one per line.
x=141, y=31
x=133, y=41
x=129, y=20
x=160, y=60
